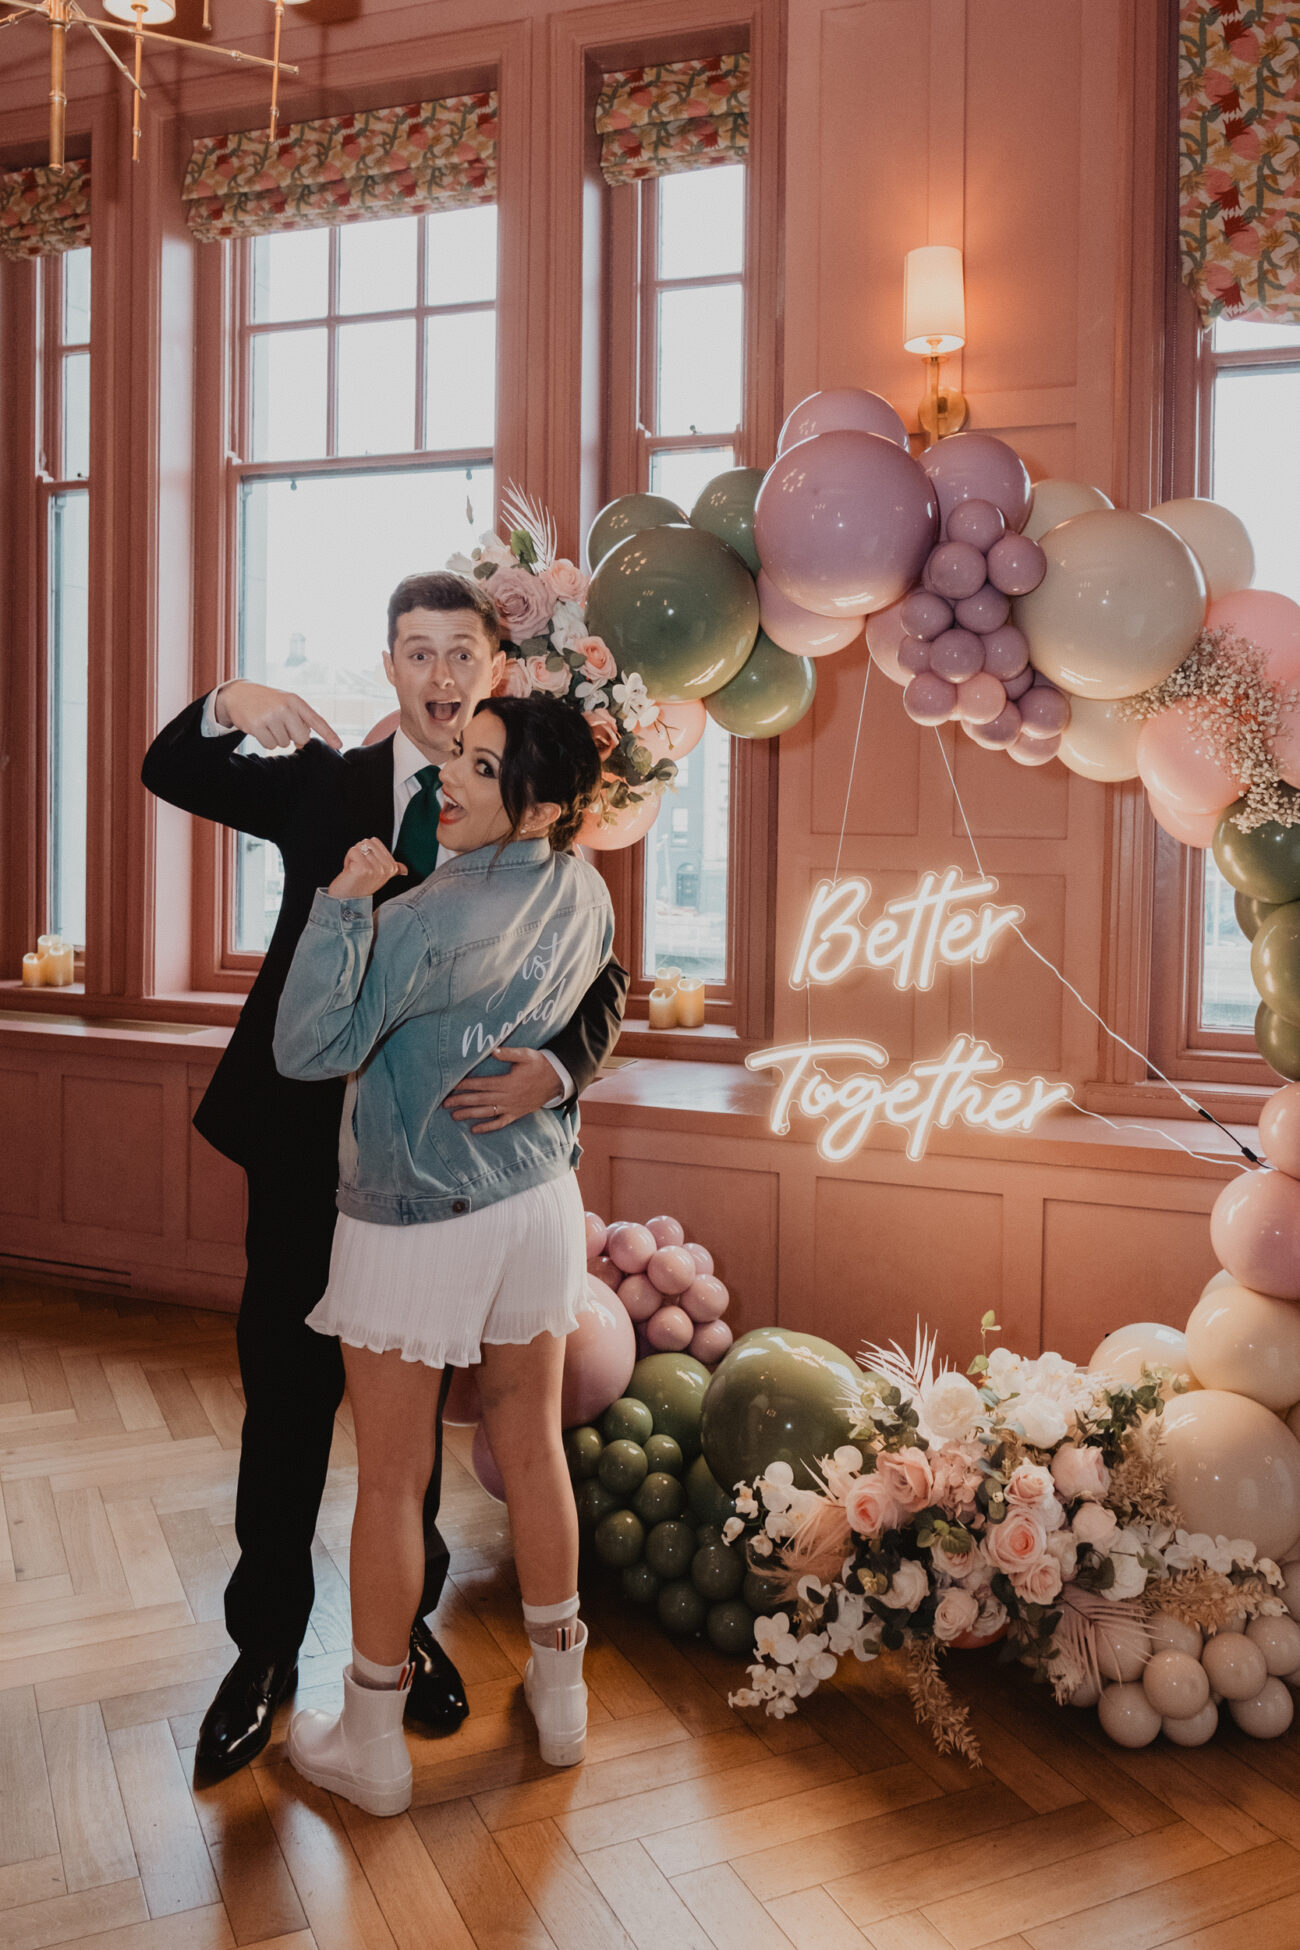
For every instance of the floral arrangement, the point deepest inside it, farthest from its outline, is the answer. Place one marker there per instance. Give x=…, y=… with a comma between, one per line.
x=539, y=596
x=1022, y=1500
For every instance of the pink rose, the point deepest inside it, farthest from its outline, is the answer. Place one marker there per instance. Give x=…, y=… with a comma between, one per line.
x=603, y=729
x=1029, y=1484
x=1094, y=1524
x=954, y=1614
x=523, y=602
x=513, y=681
x=957, y=1565
x=598, y=665
x=870, y=1508
x=1040, y=1583
x=543, y=678
x=906, y=1474
x=1079, y=1472
x=568, y=581
x=1015, y=1543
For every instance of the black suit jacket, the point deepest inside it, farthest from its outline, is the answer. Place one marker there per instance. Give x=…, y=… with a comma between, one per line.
x=312, y=805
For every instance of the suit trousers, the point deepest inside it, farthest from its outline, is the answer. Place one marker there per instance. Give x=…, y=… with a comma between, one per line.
x=293, y=1383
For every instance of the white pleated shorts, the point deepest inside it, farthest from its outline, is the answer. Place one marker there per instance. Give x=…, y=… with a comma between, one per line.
x=438, y=1292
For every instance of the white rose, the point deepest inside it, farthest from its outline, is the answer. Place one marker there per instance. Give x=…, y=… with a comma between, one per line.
x=909, y=1587
x=1041, y=1419
x=1130, y=1577
x=1094, y=1524
x=1005, y=1371
x=954, y=1614
x=950, y=1407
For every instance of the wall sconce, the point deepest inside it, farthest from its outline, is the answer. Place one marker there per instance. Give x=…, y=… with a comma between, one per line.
x=934, y=324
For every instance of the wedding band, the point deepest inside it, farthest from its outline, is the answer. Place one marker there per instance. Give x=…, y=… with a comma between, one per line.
x=365, y=846
x=496, y=1110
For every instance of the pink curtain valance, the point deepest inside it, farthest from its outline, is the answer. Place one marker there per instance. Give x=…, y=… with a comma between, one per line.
x=1239, y=157
x=384, y=162
x=681, y=115
x=44, y=212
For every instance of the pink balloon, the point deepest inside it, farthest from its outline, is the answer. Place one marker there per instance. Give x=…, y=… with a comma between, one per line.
x=705, y=1298
x=669, y=1329
x=1263, y=618
x=802, y=631
x=484, y=1465
x=1016, y=565
x=597, y=1234
x=463, y=1408
x=913, y=656
x=702, y=1256
x=922, y=614
x=640, y=1296
x=672, y=1269
x=1255, y=1232
x=977, y=522
x=955, y=570
x=1031, y=751
x=839, y=407
x=1189, y=829
x=1176, y=768
x=384, y=729
x=625, y=829
x=885, y=639
x=1006, y=652
x=956, y=655
x=676, y=731
x=929, y=699
x=978, y=467
x=666, y=1231
x=1015, y=687
x=999, y=731
x=1279, y=1129
x=1044, y=709
x=987, y=610
x=710, y=1342
x=604, y=1270
x=980, y=699
x=630, y=1246
x=599, y=1356
x=844, y=522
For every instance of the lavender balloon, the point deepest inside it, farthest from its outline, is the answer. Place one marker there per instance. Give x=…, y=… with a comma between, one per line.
x=955, y=569
x=913, y=655
x=1045, y=710
x=924, y=615
x=956, y=655
x=977, y=467
x=1000, y=731
x=977, y=522
x=1006, y=652
x=980, y=699
x=928, y=699
x=844, y=522
x=1016, y=565
x=1034, y=751
x=1014, y=686
x=839, y=407
x=987, y=610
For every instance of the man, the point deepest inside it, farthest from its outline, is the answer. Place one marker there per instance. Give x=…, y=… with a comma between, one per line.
x=443, y=658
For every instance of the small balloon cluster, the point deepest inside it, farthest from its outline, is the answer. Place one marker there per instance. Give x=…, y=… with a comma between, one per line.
x=1262, y=866
x=667, y=1285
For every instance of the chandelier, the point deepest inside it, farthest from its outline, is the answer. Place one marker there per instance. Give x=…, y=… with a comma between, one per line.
x=134, y=18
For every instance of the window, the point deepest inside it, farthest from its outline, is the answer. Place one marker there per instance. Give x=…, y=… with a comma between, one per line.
x=364, y=400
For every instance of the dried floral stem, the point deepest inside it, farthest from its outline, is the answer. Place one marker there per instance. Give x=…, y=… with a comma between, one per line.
x=1209, y=1599
x=947, y=1719
x=1138, y=1484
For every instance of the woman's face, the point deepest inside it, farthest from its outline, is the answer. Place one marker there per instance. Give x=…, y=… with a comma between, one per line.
x=472, y=813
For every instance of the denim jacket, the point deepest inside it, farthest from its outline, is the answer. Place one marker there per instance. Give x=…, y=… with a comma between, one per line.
x=493, y=945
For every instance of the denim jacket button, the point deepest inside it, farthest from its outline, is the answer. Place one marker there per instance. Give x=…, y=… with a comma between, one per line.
x=460, y=1205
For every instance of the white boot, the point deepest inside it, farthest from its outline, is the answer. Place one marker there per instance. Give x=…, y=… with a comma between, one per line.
x=557, y=1700
x=359, y=1753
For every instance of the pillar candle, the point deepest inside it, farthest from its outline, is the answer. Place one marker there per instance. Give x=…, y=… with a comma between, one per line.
x=32, y=976
x=663, y=1009
x=667, y=978
x=690, y=1003
x=57, y=969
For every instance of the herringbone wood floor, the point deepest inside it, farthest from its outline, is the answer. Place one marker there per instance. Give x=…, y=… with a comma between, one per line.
x=119, y=1426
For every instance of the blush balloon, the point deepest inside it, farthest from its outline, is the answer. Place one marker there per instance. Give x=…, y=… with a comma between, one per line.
x=955, y=569
x=701, y=1255
x=885, y=638
x=630, y=1247
x=705, y=1298
x=980, y=699
x=801, y=631
x=1255, y=1232
x=977, y=522
x=597, y=1234
x=956, y=655
x=987, y=610
x=925, y=615
x=1279, y=1129
x=672, y=1269
x=676, y=731
x=640, y=1296
x=1189, y=829
x=710, y=1342
x=667, y=1231
x=929, y=699
x=625, y=827
x=463, y=1408
x=1016, y=565
x=670, y=1330
x=1262, y=617
x=484, y=1465
x=1175, y=765
x=1033, y=751
x=599, y=1356
x=604, y=1269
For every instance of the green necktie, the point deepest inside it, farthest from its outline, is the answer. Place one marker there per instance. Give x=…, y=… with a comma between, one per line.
x=417, y=842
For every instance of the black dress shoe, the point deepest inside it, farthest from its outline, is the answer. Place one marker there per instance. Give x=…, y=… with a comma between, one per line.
x=437, y=1701
x=237, y=1725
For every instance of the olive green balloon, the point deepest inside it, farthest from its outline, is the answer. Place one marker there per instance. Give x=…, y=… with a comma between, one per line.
x=761, y=1592
x=627, y=516
x=709, y=1501
x=669, y=1549
x=1250, y=914
x=673, y=1387
x=582, y=1447
x=1278, y=1042
x=622, y=1467
x=619, y=1538
x=1275, y=962
x=640, y=1585
x=661, y=1452
x=594, y=1501
x=768, y=1402
x=707, y=1533
x=717, y=1572
x=660, y=1497
x=680, y=1607
x=726, y=509
x=730, y=1627
x=768, y=695
x=677, y=605
x=1264, y=864
x=627, y=1421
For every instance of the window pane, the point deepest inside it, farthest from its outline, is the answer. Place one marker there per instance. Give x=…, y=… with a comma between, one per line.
x=701, y=359
x=377, y=265
x=76, y=416
x=1257, y=466
x=461, y=256
x=68, y=662
x=1233, y=335
x=313, y=615
x=76, y=297
x=702, y=222
x=460, y=380
x=291, y=275
x=289, y=377
x=376, y=382
x=685, y=921
x=1228, y=996
x=681, y=473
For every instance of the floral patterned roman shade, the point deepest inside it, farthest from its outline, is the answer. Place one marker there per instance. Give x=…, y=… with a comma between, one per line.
x=385, y=162
x=682, y=115
x=44, y=212
x=1239, y=157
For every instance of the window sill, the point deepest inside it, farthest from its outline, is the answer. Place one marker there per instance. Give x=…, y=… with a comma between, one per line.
x=206, y=1007
x=1234, y=1103
x=713, y=1042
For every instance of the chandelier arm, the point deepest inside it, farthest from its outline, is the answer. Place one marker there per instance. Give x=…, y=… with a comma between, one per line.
x=93, y=25
x=176, y=40
x=10, y=20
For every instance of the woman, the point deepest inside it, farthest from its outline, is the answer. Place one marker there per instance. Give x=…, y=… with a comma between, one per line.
x=454, y=1248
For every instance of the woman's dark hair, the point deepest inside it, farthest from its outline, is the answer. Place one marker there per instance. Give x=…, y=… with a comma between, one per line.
x=549, y=755
x=443, y=589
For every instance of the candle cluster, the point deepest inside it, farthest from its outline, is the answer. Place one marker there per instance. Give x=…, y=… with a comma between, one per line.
x=51, y=967
x=676, y=1000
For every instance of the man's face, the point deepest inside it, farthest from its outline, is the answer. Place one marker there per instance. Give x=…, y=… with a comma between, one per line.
x=442, y=665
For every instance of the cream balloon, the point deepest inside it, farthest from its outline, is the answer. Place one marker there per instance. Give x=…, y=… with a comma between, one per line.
x=1086, y=1693
x=1194, y=1732
x=1216, y=1280
x=1123, y=1647
x=1236, y=1667
x=1247, y=1343
x=1216, y=537
x=1056, y=501
x=1176, y=1685
x=1268, y=1715
x=1098, y=743
x=1127, y=1716
x=1279, y=1640
x=1119, y=607
x=1233, y=1469
x=1175, y=1635
x=1290, y=1592
x=1146, y=1343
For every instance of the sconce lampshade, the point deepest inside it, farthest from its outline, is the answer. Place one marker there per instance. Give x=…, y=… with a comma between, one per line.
x=153, y=13
x=934, y=301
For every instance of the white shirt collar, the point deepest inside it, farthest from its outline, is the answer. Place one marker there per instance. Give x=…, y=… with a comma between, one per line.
x=407, y=759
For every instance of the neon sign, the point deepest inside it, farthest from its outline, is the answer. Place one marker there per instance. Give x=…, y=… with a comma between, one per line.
x=938, y=925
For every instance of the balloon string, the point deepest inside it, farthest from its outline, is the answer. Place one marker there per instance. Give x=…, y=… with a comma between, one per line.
x=1203, y=1157
x=1114, y=1034
x=844, y=822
